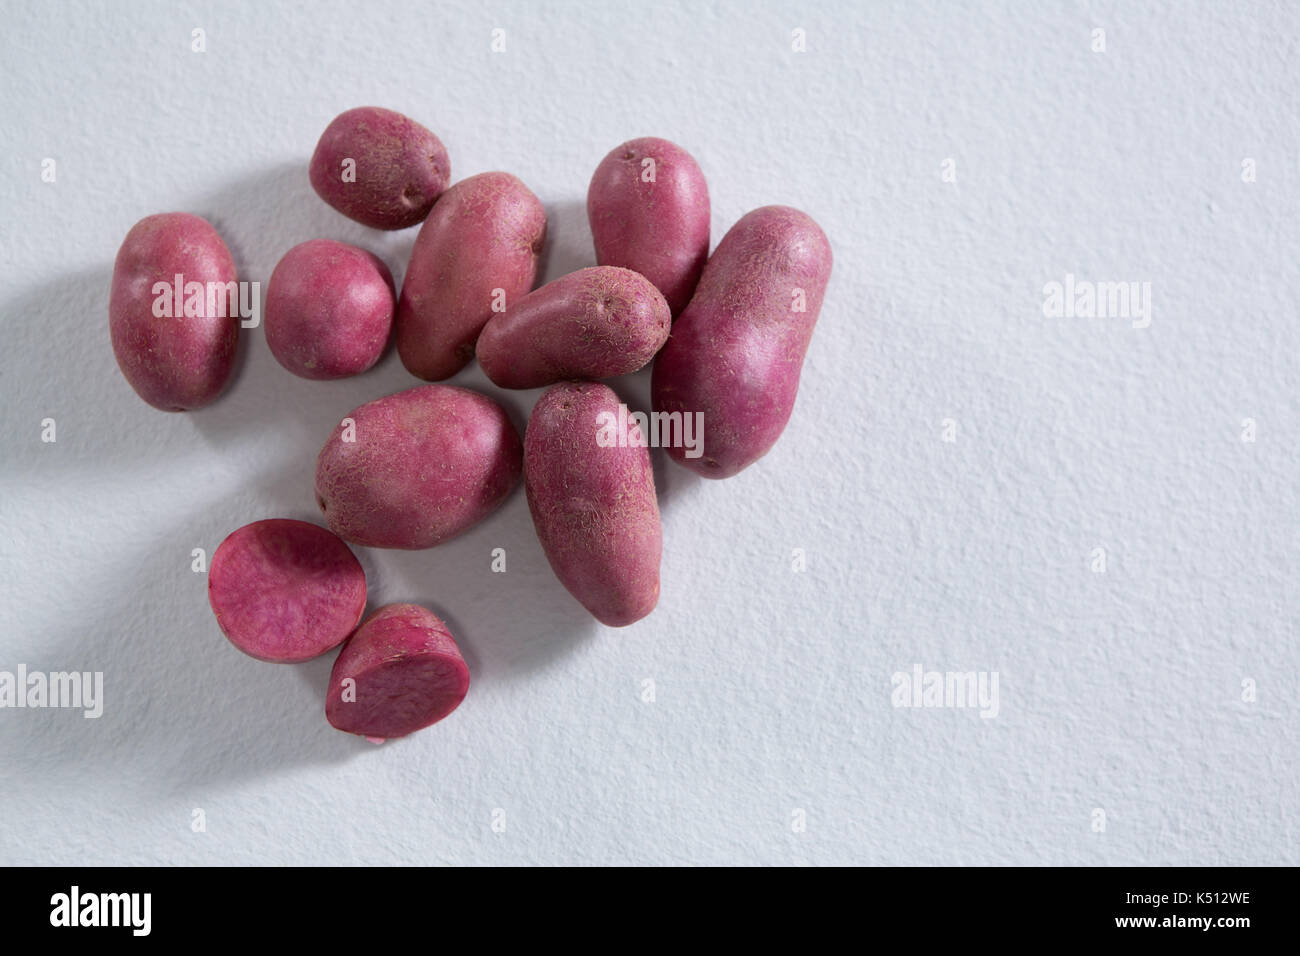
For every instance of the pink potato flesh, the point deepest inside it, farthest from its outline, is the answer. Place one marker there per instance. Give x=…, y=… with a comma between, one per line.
x=399, y=168
x=285, y=591
x=590, y=324
x=425, y=465
x=406, y=673
x=594, y=507
x=329, y=309
x=658, y=227
x=175, y=362
x=478, y=249
x=736, y=352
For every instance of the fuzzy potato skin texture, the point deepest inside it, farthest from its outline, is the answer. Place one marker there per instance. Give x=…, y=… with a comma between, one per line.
x=736, y=352
x=173, y=363
x=329, y=310
x=427, y=464
x=407, y=671
x=659, y=229
x=594, y=508
x=590, y=324
x=486, y=233
x=401, y=168
x=285, y=591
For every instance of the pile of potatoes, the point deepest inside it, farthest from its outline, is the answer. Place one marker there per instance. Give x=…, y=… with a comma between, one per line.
x=727, y=334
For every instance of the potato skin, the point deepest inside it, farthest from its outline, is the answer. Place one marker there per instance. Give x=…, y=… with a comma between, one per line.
x=659, y=229
x=401, y=168
x=486, y=233
x=736, y=352
x=594, y=508
x=590, y=324
x=427, y=464
x=329, y=309
x=407, y=673
x=173, y=363
x=285, y=591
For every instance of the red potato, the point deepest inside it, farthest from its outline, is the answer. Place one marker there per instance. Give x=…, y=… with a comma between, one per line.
x=417, y=468
x=594, y=507
x=648, y=206
x=400, y=672
x=329, y=310
x=477, y=250
x=593, y=323
x=379, y=168
x=176, y=349
x=736, y=352
x=285, y=591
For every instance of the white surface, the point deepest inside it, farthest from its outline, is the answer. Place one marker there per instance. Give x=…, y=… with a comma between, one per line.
x=1120, y=691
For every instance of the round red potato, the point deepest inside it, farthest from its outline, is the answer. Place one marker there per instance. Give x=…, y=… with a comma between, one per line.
x=285, y=591
x=400, y=672
x=175, y=344
x=329, y=309
x=414, y=469
x=648, y=206
x=590, y=324
x=379, y=168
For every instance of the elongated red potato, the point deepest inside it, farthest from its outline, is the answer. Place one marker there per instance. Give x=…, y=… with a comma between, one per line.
x=593, y=323
x=591, y=492
x=400, y=672
x=285, y=591
x=648, y=206
x=380, y=168
x=414, y=469
x=477, y=251
x=174, y=338
x=736, y=352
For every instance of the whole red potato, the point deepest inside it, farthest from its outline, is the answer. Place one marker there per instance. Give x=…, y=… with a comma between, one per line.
x=380, y=168
x=329, y=309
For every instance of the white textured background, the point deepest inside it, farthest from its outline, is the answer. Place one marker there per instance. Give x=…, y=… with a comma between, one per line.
x=1119, y=691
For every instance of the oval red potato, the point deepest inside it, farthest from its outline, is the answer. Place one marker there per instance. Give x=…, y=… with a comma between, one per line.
x=648, y=206
x=417, y=468
x=593, y=504
x=177, y=354
x=285, y=591
x=593, y=323
x=380, y=168
x=478, y=251
x=737, y=351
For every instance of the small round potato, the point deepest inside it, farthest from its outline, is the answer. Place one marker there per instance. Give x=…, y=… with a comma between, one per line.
x=329, y=309
x=379, y=167
x=285, y=591
x=173, y=311
x=400, y=672
x=591, y=324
